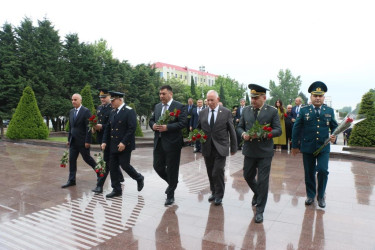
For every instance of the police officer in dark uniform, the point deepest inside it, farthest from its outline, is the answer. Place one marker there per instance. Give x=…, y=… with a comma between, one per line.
x=102, y=114
x=316, y=121
x=119, y=136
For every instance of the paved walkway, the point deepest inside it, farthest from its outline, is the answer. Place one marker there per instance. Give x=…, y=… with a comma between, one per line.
x=35, y=213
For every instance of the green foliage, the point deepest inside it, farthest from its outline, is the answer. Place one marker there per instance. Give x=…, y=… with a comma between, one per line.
x=222, y=95
x=248, y=102
x=192, y=89
x=363, y=133
x=304, y=98
x=181, y=91
x=87, y=100
x=138, y=131
x=27, y=122
x=287, y=88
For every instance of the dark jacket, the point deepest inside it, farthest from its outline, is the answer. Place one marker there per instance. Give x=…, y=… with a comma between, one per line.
x=79, y=128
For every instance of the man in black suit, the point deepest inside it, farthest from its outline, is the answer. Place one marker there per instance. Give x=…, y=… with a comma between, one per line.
x=258, y=152
x=296, y=109
x=168, y=140
x=238, y=116
x=120, y=135
x=189, y=112
x=79, y=138
x=103, y=112
x=217, y=123
x=194, y=122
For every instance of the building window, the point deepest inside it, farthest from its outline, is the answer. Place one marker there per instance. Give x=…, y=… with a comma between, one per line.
x=175, y=76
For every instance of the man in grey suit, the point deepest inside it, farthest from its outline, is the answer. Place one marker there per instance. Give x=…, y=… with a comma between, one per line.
x=217, y=123
x=258, y=152
x=168, y=141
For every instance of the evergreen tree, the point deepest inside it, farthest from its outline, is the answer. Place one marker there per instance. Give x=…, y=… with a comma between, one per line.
x=87, y=100
x=363, y=133
x=248, y=102
x=27, y=122
x=138, y=131
x=192, y=89
x=222, y=95
x=304, y=98
x=287, y=89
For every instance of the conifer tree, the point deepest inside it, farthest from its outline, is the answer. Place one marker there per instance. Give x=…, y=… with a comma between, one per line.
x=222, y=95
x=87, y=100
x=27, y=121
x=138, y=131
x=363, y=133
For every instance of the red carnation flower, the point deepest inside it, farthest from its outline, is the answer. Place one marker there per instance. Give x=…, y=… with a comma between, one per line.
x=269, y=136
x=92, y=117
x=199, y=136
x=205, y=137
x=171, y=113
x=101, y=175
x=349, y=120
x=269, y=129
x=178, y=112
x=193, y=138
x=97, y=170
x=265, y=128
x=62, y=165
x=285, y=115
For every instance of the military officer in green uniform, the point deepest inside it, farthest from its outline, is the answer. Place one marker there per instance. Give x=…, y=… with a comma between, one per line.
x=102, y=113
x=258, y=153
x=313, y=126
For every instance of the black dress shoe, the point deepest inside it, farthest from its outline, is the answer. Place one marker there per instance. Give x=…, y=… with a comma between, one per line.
x=258, y=217
x=98, y=190
x=254, y=201
x=218, y=201
x=169, y=201
x=113, y=194
x=211, y=198
x=69, y=184
x=321, y=202
x=140, y=184
x=309, y=201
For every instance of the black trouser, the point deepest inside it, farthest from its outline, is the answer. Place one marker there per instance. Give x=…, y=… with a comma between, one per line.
x=123, y=159
x=260, y=185
x=215, y=164
x=167, y=165
x=74, y=151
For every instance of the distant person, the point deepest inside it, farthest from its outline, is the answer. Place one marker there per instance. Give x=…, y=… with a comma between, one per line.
x=288, y=123
x=189, y=111
x=280, y=140
x=296, y=108
x=317, y=122
x=79, y=139
x=347, y=134
x=194, y=123
x=238, y=116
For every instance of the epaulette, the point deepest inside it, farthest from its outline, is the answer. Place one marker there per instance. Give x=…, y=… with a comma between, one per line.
x=128, y=107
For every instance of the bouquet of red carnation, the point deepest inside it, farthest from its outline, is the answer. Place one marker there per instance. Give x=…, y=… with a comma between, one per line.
x=197, y=135
x=345, y=124
x=261, y=132
x=93, y=120
x=168, y=116
x=100, y=165
x=64, y=159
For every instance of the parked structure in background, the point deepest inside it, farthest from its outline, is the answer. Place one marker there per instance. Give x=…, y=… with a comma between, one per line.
x=184, y=74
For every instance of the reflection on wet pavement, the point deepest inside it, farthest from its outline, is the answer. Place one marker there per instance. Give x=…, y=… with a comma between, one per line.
x=35, y=213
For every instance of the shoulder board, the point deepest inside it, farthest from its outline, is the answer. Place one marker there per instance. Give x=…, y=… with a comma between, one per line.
x=128, y=107
x=269, y=106
x=304, y=106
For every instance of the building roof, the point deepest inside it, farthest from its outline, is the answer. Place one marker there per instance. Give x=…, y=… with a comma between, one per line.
x=159, y=65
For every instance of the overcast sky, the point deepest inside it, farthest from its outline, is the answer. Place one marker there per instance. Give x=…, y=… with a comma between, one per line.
x=250, y=41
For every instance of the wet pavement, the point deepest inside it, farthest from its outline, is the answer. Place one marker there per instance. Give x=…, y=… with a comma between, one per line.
x=35, y=213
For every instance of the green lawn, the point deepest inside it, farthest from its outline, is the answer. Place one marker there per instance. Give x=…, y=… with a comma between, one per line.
x=60, y=139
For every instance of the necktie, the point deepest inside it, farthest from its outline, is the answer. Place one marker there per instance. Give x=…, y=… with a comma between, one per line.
x=256, y=113
x=199, y=110
x=75, y=115
x=297, y=110
x=212, y=120
x=241, y=111
x=317, y=109
x=116, y=111
x=165, y=107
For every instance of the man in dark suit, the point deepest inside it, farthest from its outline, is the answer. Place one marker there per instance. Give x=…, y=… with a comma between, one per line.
x=258, y=152
x=217, y=123
x=168, y=140
x=79, y=138
x=120, y=135
x=189, y=112
x=316, y=121
x=194, y=123
x=238, y=116
x=103, y=112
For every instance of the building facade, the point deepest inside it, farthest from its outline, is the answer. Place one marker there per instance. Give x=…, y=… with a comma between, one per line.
x=184, y=74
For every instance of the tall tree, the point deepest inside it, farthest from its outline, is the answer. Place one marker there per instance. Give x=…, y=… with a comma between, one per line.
x=27, y=122
x=222, y=95
x=287, y=88
x=192, y=89
x=304, y=98
x=87, y=99
x=248, y=102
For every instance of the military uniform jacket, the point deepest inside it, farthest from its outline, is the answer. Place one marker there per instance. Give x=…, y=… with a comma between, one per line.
x=121, y=128
x=312, y=130
x=257, y=148
x=103, y=113
x=172, y=138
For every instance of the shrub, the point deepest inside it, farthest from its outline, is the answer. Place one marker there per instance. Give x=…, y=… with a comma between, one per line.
x=138, y=131
x=27, y=121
